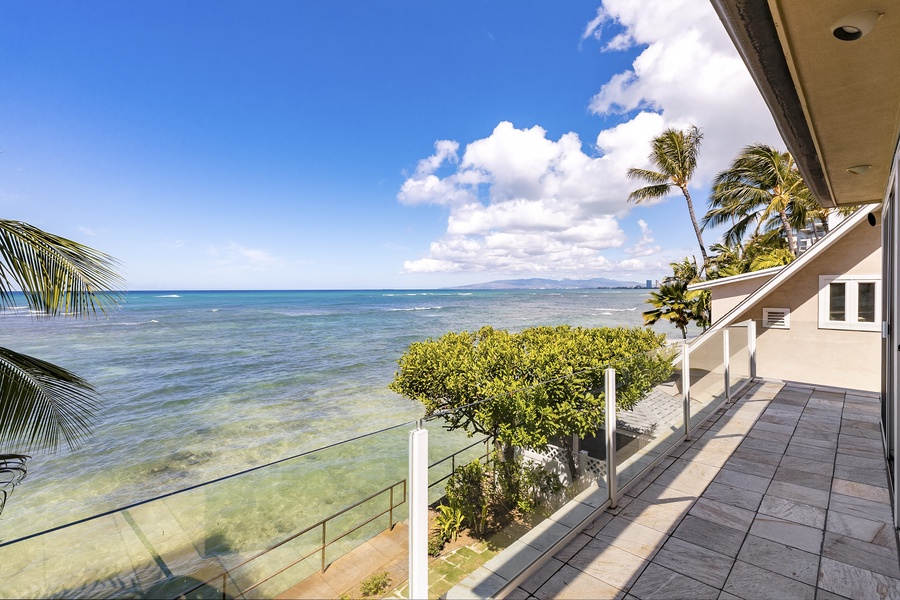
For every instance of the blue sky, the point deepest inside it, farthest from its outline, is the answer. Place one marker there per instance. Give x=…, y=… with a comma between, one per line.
x=350, y=144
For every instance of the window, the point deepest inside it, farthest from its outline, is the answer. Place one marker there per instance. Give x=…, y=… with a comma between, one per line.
x=850, y=302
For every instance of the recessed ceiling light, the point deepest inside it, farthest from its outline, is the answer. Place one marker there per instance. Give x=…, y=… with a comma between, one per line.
x=859, y=169
x=853, y=27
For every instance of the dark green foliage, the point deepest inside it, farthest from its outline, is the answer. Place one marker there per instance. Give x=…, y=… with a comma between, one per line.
x=526, y=485
x=489, y=494
x=468, y=490
x=436, y=543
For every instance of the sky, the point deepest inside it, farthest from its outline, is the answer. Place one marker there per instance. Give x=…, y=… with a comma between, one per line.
x=343, y=144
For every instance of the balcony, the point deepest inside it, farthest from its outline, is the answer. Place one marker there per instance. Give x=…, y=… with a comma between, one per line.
x=783, y=493
x=779, y=491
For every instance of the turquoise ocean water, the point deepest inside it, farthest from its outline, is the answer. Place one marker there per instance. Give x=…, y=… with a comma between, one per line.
x=197, y=385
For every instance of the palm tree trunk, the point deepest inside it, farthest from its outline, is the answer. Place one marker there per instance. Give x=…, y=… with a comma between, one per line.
x=690, y=204
x=789, y=232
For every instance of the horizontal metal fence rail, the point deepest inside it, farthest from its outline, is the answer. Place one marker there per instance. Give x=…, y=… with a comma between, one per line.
x=323, y=546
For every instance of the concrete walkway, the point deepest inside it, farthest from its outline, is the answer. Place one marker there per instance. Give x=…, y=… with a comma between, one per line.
x=785, y=495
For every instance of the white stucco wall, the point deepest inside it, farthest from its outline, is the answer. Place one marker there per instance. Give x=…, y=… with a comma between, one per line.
x=806, y=353
x=725, y=297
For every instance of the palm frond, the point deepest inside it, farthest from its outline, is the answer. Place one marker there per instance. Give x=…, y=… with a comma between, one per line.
x=42, y=405
x=649, y=176
x=651, y=192
x=55, y=274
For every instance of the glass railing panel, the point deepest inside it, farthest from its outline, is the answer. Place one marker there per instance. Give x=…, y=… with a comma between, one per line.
x=707, y=376
x=515, y=492
x=738, y=357
x=448, y=450
x=255, y=534
x=650, y=418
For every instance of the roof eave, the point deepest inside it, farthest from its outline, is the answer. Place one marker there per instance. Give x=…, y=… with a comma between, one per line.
x=752, y=30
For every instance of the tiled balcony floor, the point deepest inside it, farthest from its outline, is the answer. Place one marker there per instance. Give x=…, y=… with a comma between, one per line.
x=785, y=495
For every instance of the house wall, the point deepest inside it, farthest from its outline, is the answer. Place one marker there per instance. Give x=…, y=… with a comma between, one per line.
x=725, y=297
x=806, y=353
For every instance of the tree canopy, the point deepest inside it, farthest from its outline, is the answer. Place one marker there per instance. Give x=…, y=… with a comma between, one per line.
x=524, y=389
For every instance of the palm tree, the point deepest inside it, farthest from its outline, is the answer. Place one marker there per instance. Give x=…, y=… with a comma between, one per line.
x=674, y=303
x=43, y=405
x=762, y=189
x=674, y=154
x=760, y=251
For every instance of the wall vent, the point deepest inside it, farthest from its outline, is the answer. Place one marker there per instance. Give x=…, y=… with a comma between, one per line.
x=777, y=318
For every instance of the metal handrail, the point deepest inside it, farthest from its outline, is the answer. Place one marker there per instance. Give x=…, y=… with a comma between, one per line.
x=323, y=546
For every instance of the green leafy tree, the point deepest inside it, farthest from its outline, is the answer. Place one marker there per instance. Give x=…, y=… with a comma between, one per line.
x=762, y=191
x=525, y=389
x=42, y=405
x=674, y=154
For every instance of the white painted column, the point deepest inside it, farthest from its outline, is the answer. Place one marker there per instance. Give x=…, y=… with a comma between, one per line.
x=726, y=357
x=418, y=512
x=611, y=481
x=686, y=388
x=751, y=346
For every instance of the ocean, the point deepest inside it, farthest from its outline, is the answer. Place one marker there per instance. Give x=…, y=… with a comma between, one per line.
x=198, y=385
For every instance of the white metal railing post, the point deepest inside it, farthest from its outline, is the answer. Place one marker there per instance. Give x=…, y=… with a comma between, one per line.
x=726, y=358
x=686, y=388
x=611, y=436
x=418, y=512
x=751, y=346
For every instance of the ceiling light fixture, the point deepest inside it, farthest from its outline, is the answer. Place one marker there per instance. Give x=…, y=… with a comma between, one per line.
x=853, y=27
x=859, y=169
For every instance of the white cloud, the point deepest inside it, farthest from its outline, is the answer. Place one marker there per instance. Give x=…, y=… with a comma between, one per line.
x=519, y=201
x=233, y=257
x=690, y=73
x=645, y=246
x=87, y=231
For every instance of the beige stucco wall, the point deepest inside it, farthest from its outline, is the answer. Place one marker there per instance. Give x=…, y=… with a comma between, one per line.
x=806, y=353
x=725, y=297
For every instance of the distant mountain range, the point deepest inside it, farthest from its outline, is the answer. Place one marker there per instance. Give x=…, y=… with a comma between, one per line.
x=536, y=283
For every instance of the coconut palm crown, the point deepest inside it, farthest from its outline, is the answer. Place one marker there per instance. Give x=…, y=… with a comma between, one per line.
x=673, y=302
x=42, y=405
x=674, y=153
x=762, y=190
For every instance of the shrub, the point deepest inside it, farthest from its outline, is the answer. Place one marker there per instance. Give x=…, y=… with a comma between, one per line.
x=376, y=584
x=435, y=544
x=449, y=521
x=465, y=491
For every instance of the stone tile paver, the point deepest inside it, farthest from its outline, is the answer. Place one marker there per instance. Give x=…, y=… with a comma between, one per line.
x=781, y=495
x=695, y=561
x=790, y=510
x=781, y=559
x=712, y=536
x=570, y=582
x=753, y=583
x=660, y=583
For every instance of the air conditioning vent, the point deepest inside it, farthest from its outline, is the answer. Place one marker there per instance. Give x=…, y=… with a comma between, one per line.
x=777, y=318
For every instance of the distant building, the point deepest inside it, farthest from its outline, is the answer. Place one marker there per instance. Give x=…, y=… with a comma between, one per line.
x=649, y=284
